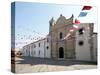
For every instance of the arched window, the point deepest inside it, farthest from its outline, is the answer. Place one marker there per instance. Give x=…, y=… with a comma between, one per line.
x=47, y=47
x=39, y=44
x=81, y=31
x=60, y=35
x=50, y=24
x=39, y=52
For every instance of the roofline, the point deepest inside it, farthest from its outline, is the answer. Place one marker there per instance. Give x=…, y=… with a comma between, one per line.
x=39, y=40
x=87, y=23
x=95, y=33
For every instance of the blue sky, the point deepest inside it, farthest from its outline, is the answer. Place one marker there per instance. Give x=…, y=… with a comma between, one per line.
x=32, y=19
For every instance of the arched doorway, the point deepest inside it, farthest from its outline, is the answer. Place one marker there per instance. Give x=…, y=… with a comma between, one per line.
x=61, y=52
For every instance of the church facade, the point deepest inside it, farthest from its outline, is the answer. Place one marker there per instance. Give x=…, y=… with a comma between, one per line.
x=61, y=49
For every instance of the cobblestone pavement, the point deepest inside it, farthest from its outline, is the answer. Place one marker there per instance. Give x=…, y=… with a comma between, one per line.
x=31, y=65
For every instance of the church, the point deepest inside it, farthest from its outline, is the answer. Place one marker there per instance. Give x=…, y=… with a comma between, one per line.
x=78, y=46
x=57, y=30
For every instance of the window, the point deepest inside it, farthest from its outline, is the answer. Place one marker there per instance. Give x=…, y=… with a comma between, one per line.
x=50, y=24
x=47, y=47
x=60, y=35
x=34, y=52
x=31, y=46
x=39, y=44
x=34, y=45
x=47, y=40
x=39, y=52
x=81, y=43
x=81, y=31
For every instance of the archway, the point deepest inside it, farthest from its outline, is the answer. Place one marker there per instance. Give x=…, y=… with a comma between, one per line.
x=61, y=52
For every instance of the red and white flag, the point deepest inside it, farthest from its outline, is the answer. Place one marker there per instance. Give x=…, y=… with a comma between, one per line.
x=72, y=29
x=77, y=21
x=87, y=7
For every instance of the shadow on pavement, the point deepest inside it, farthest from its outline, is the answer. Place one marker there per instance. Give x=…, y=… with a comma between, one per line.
x=36, y=61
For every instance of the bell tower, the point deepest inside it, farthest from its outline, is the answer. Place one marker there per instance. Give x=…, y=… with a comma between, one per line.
x=84, y=42
x=51, y=24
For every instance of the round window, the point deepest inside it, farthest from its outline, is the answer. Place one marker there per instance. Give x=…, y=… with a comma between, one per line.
x=81, y=43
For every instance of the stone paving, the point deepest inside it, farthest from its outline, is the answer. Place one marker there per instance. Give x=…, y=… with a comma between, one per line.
x=31, y=65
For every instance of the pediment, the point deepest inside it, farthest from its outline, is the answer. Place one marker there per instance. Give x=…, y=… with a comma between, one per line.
x=62, y=20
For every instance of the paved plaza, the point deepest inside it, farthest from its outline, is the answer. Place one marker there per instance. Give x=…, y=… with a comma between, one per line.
x=31, y=65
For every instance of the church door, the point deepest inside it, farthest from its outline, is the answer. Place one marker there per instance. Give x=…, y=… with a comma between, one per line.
x=61, y=52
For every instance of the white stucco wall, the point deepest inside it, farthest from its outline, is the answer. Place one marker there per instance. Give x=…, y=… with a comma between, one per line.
x=36, y=50
x=47, y=50
x=41, y=48
x=83, y=52
x=44, y=52
x=26, y=51
x=33, y=49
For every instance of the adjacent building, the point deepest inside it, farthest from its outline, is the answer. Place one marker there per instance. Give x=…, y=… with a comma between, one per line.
x=26, y=50
x=40, y=48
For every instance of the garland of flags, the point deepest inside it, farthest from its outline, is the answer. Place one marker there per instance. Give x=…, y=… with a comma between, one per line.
x=20, y=39
x=76, y=24
x=83, y=13
x=71, y=30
